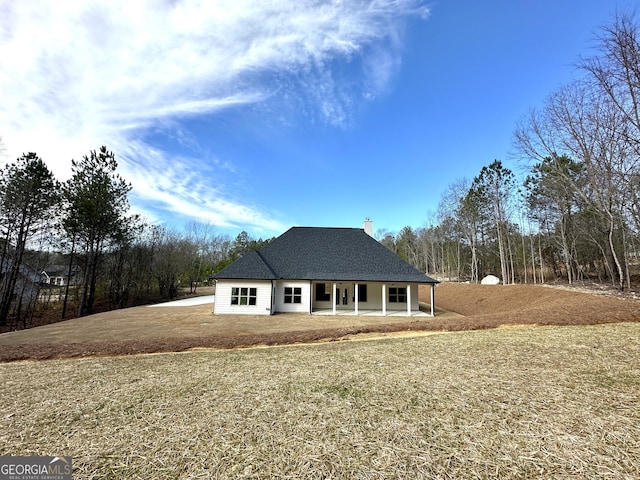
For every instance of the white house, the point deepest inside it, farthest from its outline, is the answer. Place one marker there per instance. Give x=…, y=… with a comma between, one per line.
x=321, y=270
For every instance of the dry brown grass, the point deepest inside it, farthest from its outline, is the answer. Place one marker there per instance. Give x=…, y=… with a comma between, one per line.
x=466, y=307
x=552, y=402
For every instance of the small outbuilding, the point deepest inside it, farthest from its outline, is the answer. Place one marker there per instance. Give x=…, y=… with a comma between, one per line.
x=320, y=270
x=490, y=280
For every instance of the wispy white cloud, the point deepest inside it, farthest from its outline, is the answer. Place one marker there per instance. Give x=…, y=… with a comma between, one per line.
x=80, y=74
x=186, y=188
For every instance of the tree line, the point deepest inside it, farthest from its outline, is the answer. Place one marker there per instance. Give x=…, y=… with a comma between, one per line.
x=111, y=259
x=574, y=213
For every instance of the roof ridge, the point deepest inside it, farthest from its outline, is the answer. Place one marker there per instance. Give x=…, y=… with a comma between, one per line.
x=328, y=228
x=266, y=264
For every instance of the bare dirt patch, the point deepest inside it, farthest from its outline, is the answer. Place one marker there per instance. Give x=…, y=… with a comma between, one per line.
x=460, y=307
x=495, y=305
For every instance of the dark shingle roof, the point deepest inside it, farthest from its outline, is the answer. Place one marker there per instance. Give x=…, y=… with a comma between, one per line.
x=249, y=266
x=315, y=253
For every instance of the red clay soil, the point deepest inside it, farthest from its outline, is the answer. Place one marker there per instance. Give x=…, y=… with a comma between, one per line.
x=173, y=329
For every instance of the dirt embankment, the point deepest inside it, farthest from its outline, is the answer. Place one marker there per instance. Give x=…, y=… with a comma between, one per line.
x=147, y=330
x=496, y=305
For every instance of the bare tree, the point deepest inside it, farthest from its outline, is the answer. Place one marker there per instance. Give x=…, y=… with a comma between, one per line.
x=172, y=257
x=579, y=123
x=387, y=238
x=615, y=71
x=199, y=235
x=615, y=74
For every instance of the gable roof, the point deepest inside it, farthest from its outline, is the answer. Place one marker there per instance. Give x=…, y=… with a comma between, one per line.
x=316, y=253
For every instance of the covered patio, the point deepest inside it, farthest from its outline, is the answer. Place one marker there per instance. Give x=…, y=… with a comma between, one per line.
x=378, y=299
x=372, y=313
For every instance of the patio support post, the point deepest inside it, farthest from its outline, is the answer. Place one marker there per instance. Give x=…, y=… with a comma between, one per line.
x=433, y=299
x=409, y=300
x=355, y=294
x=334, y=298
x=384, y=299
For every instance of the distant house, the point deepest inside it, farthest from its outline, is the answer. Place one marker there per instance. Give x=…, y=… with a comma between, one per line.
x=53, y=281
x=58, y=275
x=321, y=271
x=26, y=287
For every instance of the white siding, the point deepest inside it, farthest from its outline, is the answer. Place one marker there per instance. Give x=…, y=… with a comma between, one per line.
x=223, y=305
x=415, y=304
x=374, y=297
x=415, y=301
x=322, y=304
x=303, y=306
x=264, y=297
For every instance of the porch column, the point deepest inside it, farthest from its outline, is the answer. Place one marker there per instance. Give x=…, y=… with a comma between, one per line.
x=334, y=298
x=384, y=299
x=355, y=294
x=408, y=300
x=433, y=299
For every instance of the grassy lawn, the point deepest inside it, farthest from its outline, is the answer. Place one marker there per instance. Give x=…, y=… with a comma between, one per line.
x=546, y=402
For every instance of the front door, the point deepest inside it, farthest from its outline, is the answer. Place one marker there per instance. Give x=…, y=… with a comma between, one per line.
x=342, y=296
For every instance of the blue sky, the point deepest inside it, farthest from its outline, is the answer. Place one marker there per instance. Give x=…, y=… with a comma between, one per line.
x=259, y=116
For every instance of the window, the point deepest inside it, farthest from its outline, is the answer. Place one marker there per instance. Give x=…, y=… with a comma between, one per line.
x=292, y=295
x=397, y=295
x=362, y=293
x=244, y=296
x=322, y=295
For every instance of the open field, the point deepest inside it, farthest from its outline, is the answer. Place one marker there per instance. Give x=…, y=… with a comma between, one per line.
x=526, y=402
x=460, y=307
